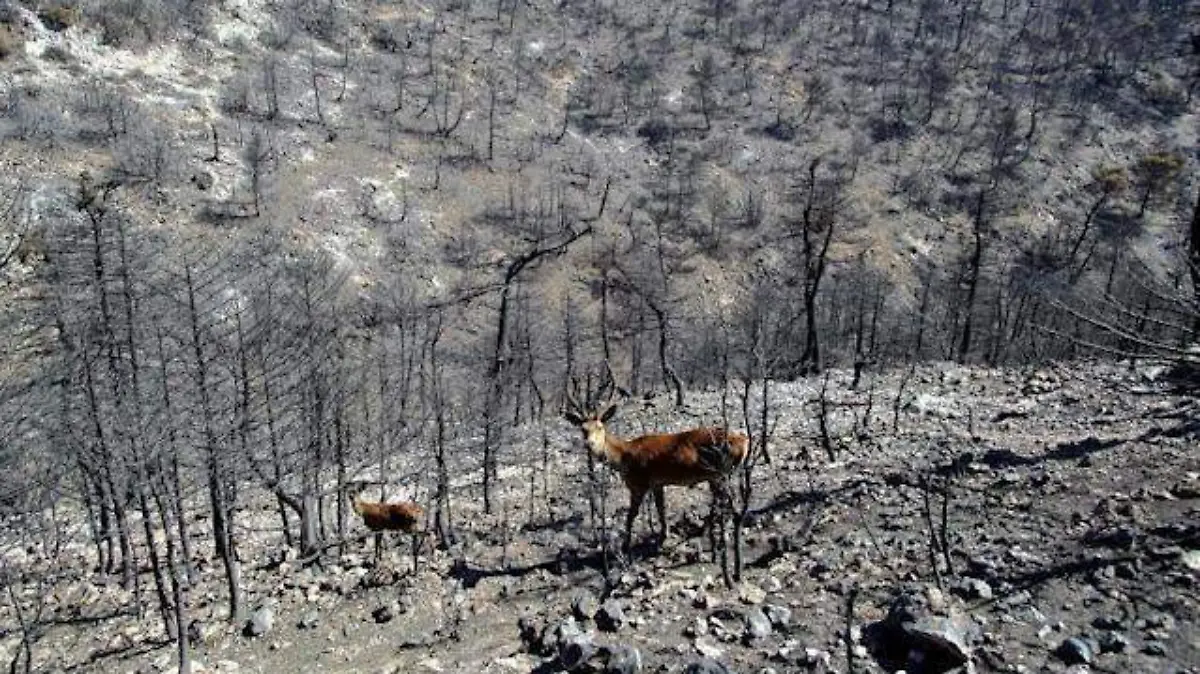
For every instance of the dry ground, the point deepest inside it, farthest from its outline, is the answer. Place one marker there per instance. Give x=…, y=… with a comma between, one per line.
x=1074, y=513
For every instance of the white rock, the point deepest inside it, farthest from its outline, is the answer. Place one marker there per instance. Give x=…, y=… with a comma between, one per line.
x=707, y=649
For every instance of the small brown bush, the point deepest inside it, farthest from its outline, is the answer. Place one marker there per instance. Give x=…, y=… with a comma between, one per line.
x=129, y=23
x=59, y=17
x=9, y=43
x=56, y=53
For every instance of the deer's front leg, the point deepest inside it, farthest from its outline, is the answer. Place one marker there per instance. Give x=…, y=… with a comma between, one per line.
x=636, y=496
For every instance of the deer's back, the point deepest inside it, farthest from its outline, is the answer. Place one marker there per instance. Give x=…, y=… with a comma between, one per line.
x=686, y=458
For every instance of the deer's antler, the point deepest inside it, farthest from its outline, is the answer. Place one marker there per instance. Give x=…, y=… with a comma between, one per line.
x=573, y=402
x=609, y=388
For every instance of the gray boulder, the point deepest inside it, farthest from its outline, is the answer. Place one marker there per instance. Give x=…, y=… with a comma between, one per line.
x=260, y=622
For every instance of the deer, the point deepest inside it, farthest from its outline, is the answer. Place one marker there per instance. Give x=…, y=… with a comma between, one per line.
x=380, y=517
x=649, y=463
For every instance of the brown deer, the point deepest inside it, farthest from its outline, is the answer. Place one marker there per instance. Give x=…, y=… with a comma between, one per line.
x=651, y=462
x=402, y=516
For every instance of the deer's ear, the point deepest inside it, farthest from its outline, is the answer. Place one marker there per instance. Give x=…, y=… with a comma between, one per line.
x=608, y=412
x=573, y=417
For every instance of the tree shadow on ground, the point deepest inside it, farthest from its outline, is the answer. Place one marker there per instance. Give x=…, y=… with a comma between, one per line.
x=1029, y=580
x=125, y=651
x=1064, y=451
x=1073, y=450
x=564, y=563
x=812, y=502
x=790, y=500
x=560, y=524
x=96, y=619
x=1006, y=458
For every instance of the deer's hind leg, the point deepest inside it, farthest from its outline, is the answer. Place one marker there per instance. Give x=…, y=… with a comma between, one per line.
x=720, y=507
x=660, y=505
x=417, y=539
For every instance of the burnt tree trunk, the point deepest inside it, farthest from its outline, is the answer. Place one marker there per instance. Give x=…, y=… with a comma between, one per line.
x=214, y=467
x=496, y=370
x=1194, y=268
x=973, y=275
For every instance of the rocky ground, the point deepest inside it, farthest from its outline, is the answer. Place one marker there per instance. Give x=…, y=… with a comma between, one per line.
x=1071, y=519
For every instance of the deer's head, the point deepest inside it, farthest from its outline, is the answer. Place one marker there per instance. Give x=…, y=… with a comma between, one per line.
x=591, y=417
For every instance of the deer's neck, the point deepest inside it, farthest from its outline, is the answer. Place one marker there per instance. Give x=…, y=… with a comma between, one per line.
x=608, y=447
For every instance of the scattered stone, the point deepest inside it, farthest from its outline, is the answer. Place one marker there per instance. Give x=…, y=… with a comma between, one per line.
x=383, y=614
x=1121, y=537
x=929, y=405
x=758, y=626
x=936, y=599
x=1113, y=642
x=201, y=633
x=707, y=649
x=611, y=616
x=787, y=652
x=532, y=635
x=567, y=631
x=1155, y=648
x=1160, y=553
x=780, y=616
x=623, y=659
x=380, y=576
x=1187, y=490
x=575, y=650
x=260, y=622
x=1077, y=651
x=309, y=620
x=1100, y=576
x=1182, y=580
x=517, y=664
x=1108, y=622
x=203, y=180
x=912, y=635
x=816, y=658
x=583, y=607
x=1161, y=621
x=1018, y=598
x=1127, y=570
x=750, y=593
x=819, y=570
x=973, y=589
x=1020, y=410
x=706, y=666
